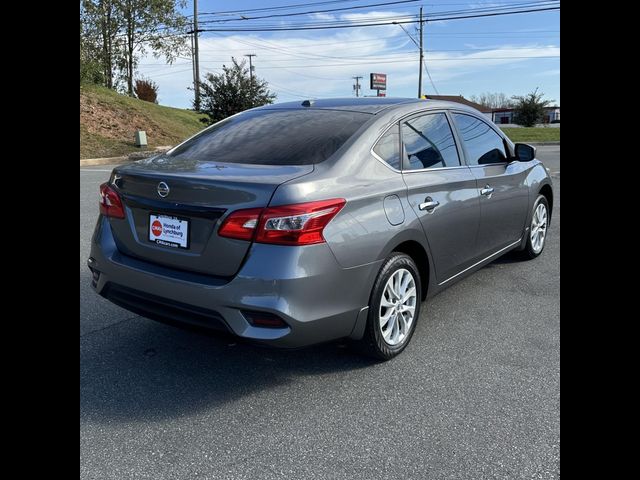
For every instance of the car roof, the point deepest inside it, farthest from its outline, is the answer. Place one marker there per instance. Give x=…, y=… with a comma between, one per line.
x=371, y=105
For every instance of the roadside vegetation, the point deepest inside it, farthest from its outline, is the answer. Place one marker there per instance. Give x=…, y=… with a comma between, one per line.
x=109, y=120
x=533, y=134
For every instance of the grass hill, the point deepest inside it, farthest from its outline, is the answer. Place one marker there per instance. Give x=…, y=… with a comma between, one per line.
x=109, y=120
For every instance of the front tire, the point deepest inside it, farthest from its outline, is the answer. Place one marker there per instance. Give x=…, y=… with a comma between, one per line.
x=537, y=234
x=394, y=307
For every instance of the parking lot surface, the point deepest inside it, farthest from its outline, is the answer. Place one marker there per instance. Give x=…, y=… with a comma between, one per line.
x=475, y=395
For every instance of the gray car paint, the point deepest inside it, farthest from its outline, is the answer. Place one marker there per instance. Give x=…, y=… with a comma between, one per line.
x=322, y=291
x=195, y=187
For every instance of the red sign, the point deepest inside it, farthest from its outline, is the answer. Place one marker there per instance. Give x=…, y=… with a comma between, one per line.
x=378, y=81
x=156, y=228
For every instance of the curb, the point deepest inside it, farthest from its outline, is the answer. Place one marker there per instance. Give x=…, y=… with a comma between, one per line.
x=542, y=144
x=132, y=157
x=102, y=161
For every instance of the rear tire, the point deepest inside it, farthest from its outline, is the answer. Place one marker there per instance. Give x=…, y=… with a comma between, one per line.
x=394, y=308
x=537, y=233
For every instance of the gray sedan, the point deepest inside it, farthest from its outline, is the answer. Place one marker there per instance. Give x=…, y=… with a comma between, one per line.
x=305, y=222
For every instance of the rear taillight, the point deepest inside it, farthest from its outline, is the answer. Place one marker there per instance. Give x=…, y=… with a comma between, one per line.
x=299, y=224
x=241, y=224
x=110, y=203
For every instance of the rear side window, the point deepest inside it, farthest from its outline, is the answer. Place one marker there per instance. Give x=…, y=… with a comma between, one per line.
x=274, y=137
x=388, y=147
x=483, y=144
x=429, y=143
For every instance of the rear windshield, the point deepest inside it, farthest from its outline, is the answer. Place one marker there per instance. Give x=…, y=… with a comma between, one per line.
x=274, y=137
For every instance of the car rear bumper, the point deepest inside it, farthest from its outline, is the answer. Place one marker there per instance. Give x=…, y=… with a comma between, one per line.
x=304, y=286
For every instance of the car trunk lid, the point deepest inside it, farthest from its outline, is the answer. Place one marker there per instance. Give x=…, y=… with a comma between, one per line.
x=189, y=199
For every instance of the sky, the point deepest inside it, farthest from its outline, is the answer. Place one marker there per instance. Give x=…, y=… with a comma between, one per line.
x=463, y=57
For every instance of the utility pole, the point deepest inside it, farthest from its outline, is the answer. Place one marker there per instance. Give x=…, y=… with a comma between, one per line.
x=196, y=61
x=421, y=59
x=356, y=87
x=193, y=64
x=251, y=55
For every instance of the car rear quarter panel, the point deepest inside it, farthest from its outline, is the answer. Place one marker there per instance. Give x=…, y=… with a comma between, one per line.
x=363, y=232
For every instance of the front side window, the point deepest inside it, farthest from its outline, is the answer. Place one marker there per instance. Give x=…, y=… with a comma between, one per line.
x=483, y=144
x=428, y=143
x=388, y=147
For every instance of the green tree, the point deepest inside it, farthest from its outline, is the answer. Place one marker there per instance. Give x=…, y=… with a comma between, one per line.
x=90, y=65
x=232, y=91
x=529, y=109
x=100, y=39
x=151, y=25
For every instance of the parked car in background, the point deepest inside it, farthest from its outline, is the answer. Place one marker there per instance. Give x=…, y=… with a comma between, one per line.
x=304, y=222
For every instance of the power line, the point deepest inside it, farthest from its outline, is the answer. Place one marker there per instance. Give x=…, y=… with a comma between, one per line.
x=372, y=61
x=277, y=48
x=291, y=14
x=278, y=58
x=369, y=41
x=494, y=8
x=436, y=13
x=409, y=61
x=280, y=7
x=430, y=79
x=288, y=91
x=316, y=4
x=355, y=25
x=496, y=14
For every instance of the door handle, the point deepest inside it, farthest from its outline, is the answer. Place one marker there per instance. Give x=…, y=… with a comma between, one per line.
x=487, y=190
x=429, y=204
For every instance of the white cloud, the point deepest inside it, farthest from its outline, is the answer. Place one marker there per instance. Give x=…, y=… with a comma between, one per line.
x=549, y=73
x=373, y=16
x=322, y=16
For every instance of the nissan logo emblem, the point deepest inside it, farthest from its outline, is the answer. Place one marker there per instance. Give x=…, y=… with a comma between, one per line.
x=163, y=189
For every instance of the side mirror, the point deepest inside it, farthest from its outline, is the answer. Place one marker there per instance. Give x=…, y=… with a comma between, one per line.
x=524, y=152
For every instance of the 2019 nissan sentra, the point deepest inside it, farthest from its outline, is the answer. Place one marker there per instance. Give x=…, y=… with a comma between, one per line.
x=299, y=223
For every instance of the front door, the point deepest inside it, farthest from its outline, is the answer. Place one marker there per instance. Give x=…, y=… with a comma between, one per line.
x=503, y=194
x=441, y=191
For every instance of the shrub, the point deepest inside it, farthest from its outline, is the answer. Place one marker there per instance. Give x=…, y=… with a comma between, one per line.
x=146, y=90
x=529, y=109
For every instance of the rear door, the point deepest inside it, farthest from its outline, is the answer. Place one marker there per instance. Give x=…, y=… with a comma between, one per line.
x=442, y=191
x=503, y=194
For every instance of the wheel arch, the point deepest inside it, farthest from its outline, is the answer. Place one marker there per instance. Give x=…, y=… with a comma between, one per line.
x=547, y=192
x=419, y=255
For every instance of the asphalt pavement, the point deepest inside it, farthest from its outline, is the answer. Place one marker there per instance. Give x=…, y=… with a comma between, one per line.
x=475, y=395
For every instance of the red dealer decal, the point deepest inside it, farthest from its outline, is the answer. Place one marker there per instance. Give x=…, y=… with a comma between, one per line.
x=156, y=228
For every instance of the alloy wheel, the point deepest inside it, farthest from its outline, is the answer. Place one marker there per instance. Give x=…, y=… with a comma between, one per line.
x=539, y=228
x=397, y=307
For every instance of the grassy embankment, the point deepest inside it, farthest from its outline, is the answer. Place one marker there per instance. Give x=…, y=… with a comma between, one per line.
x=109, y=120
